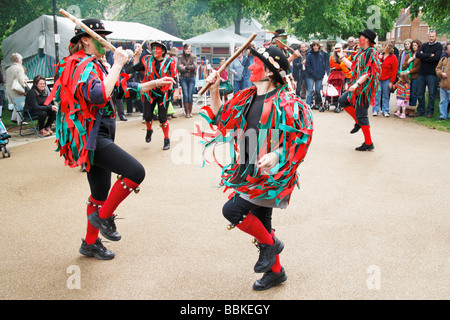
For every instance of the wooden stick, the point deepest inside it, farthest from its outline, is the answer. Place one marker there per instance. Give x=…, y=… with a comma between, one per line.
x=285, y=45
x=85, y=28
x=142, y=44
x=229, y=60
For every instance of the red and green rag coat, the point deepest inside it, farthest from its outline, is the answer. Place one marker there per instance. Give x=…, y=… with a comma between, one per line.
x=285, y=119
x=365, y=62
x=78, y=118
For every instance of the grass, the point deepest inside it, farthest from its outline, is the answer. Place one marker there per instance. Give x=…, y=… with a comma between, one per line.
x=434, y=123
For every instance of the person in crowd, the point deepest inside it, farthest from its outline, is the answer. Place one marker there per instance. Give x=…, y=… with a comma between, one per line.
x=15, y=82
x=157, y=66
x=248, y=61
x=443, y=73
x=429, y=55
x=326, y=55
x=187, y=69
x=300, y=65
x=315, y=69
x=365, y=70
x=108, y=61
x=35, y=104
x=263, y=177
x=404, y=53
x=237, y=71
x=388, y=77
x=86, y=129
x=396, y=51
x=403, y=93
x=2, y=89
x=411, y=65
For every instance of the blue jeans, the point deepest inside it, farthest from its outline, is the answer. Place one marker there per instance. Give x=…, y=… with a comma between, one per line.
x=187, y=87
x=317, y=85
x=413, y=92
x=301, y=78
x=382, y=97
x=443, y=104
x=238, y=85
x=430, y=81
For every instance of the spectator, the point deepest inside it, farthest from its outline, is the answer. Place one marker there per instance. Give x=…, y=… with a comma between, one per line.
x=223, y=80
x=187, y=66
x=411, y=65
x=326, y=55
x=35, y=104
x=299, y=65
x=15, y=82
x=237, y=70
x=389, y=66
x=2, y=90
x=315, y=69
x=443, y=72
x=405, y=52
x=429, y=54
x=351, y=43
x=403, y=93
x=396, y=52
x=248, y=61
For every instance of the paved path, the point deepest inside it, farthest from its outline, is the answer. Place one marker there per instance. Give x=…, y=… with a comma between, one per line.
x=371, y=225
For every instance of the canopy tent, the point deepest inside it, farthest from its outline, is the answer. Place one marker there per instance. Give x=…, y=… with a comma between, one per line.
x=36, y=41
x=253, y=26
x=210, y=46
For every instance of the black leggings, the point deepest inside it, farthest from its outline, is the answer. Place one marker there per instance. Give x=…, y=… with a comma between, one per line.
x=235, y=209
x=50, y=115
x=112, y=159
x=149, y=108
x=361, y=111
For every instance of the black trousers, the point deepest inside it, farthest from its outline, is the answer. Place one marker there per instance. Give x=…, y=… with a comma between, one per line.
x=112, y=159
x=48, y=115
x=149, y=108
x=235, y=209
x=361, y=110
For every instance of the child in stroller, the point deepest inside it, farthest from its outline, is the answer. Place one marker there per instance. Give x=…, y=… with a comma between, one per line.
x=4, y=140
x=332, y=91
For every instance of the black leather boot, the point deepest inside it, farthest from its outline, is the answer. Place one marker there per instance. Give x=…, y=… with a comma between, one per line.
x=269, y=280
x=166, y=144
x=267, y=255
x=107, y=227
x=355, y=128
x=365, y=147
x=148, y=136
x=96, y=250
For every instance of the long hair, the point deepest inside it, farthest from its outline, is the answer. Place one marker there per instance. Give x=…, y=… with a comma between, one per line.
x=75, y=47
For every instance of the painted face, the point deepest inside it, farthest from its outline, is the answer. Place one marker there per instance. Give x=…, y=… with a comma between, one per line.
x=257, y=72
x=157, y=52
x=98, y=46
x=362, y=41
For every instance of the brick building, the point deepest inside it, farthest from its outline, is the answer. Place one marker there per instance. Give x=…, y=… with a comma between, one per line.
x=404, y=29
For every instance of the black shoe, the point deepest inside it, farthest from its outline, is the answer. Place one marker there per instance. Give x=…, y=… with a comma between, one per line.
x=96, y=249
x=123, y=118
x=166, y=144
x=355, y=128
x=267, y=255
x=148, y=136
x=365, y=147
x=337, y=110
x=269, y=280
x=107, y=227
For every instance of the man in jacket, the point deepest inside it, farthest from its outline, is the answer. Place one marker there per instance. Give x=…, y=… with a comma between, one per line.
x=429, y=54
x=300, y=71
x=443, y=72
x=315, y=69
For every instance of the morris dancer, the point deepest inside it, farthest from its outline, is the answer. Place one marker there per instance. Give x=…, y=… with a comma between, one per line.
x=85, y=130
x=263, y=173
x=365, y=70
x=157, y=66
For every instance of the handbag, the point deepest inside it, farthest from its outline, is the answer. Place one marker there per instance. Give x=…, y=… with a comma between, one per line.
x=17, y=87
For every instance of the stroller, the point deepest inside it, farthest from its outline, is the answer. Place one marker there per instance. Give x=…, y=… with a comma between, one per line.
x=333, y=90
x=4, y=140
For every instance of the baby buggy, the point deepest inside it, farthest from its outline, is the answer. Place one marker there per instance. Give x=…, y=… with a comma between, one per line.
x=333, y=90
x=4, y=140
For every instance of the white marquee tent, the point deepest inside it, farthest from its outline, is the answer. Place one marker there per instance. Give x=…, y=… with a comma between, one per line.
x=36, y=41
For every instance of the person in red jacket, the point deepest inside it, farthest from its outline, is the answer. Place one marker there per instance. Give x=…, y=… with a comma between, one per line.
x=389, y=68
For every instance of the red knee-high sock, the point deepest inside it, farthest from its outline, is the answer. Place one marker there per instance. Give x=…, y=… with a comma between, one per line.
x=91, y=231
x=149, y=125
x=367, y=136
x=165, y=129
x=277, y=265
x=351, y=111
x=118, y=193
x=253, y=226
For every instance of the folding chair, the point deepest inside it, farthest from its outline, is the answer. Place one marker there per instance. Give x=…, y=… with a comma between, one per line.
x=25, y=118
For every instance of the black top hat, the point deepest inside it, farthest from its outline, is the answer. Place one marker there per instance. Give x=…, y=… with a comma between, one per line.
x=158, y=43
x=275, y=60
x=370, y=34
x=94, y=24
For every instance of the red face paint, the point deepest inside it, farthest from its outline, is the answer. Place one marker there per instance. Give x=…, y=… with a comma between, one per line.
x=157, y=52
x=257, y=71
x=362, y=41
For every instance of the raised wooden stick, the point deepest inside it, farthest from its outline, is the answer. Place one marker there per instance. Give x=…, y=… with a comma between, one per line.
x=142, y=44
x=229, y=60
x=85, y=28
x=285, y=45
